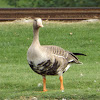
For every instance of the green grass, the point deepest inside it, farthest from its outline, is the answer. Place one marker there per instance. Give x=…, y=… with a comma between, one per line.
x=18, y=81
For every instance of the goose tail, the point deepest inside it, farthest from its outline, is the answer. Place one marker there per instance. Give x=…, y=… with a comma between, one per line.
x=80, y=54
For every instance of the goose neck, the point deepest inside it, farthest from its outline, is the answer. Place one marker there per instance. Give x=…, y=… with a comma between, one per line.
x=36, y=36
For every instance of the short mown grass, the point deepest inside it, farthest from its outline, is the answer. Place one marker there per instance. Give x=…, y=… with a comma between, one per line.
x=18, y=81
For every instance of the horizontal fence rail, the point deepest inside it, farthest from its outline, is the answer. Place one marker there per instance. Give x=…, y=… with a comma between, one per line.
x=9, y=14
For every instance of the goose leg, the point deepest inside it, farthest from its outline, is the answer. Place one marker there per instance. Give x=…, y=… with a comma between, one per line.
x=61, y=83
x=44, y=84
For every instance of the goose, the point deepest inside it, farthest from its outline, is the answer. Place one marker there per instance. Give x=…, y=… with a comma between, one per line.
x=49, y=59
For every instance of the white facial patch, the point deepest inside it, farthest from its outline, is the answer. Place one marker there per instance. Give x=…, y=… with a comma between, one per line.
x=39, y=22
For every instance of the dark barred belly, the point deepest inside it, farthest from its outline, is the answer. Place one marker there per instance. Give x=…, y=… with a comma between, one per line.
x=46, y=67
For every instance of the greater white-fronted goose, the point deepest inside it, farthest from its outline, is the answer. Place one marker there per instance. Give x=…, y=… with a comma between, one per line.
x=48, y=59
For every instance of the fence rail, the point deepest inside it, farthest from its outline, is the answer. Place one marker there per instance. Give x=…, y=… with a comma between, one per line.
x=9, y=14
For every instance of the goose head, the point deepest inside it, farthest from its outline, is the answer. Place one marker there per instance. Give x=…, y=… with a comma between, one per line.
x=37, y=23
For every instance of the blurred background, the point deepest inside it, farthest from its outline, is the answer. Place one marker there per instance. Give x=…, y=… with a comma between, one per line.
x=48, y=3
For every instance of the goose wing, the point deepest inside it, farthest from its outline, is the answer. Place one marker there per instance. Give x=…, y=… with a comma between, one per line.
x=61, y=53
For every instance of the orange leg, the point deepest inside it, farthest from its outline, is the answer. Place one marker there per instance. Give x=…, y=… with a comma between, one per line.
x=61, y=83
x=44, y=84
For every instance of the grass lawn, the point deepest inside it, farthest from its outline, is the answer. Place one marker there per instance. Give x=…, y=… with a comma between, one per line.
x=18, y=81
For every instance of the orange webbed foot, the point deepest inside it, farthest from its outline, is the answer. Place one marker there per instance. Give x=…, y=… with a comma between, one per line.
x=45, y=90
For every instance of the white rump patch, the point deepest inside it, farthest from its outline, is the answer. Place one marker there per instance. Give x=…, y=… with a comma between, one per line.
x=68, y=66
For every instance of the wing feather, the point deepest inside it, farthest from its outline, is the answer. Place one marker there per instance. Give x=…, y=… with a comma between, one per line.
x=60, y=52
